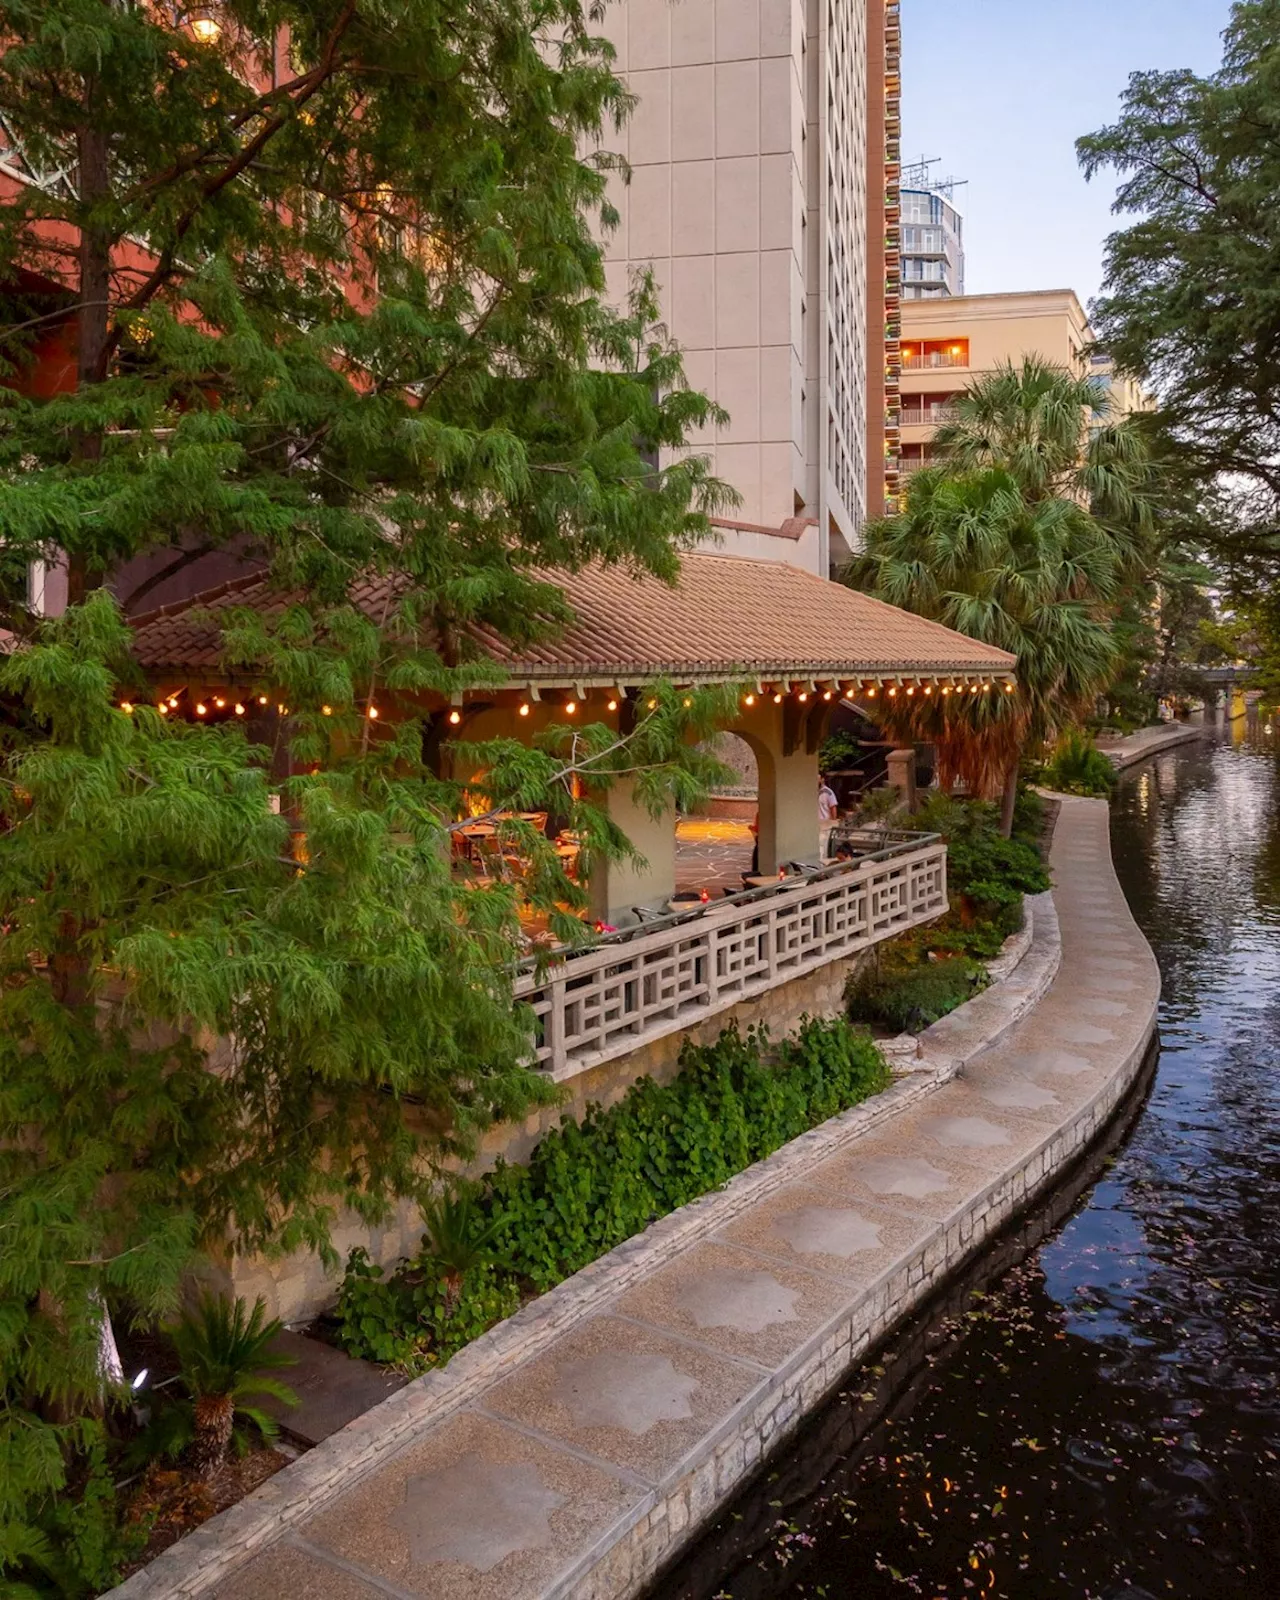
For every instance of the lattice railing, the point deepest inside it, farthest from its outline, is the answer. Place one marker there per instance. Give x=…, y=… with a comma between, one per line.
x=606, y=1002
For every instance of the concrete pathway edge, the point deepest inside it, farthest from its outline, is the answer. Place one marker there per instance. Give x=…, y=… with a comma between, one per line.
x=626, y=1555
x=1146, y=742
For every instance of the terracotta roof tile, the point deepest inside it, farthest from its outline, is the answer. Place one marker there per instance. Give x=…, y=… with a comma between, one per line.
x=728, y=617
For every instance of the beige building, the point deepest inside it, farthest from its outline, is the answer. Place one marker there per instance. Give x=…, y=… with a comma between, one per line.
x=948, y=344
x=748, y=195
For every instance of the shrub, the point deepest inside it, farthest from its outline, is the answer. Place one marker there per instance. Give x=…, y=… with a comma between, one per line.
x=909, y=1001
x=590, y=1185
x=1079, y=767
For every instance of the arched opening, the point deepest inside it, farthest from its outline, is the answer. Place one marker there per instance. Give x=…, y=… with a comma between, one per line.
x=717, y=849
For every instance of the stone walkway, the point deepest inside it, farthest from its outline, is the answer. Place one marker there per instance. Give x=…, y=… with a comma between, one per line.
x=712, y=853
x=1128, y=750
x=646, y=1390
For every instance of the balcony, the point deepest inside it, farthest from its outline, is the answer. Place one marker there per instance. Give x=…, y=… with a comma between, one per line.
x=927, y=416
x=662, y=978
x=934, y=360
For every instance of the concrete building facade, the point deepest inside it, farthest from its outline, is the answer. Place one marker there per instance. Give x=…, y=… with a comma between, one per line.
x=932, y=242
x=748, y=193
x=947, y=344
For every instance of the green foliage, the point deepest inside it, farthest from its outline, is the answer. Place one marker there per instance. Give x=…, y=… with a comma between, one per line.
x=413, y=1320
x=911, y=999
x=1188, y=301
x=926, y=973
x=590, y=1185
x=839, y=753
x=1077, y=766
x=340, y=313
x=1025, y=537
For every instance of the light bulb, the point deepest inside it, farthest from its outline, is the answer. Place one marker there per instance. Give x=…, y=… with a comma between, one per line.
x=127, y=707
x=326, y=711
x=524, y=710
x=570, y=706
x=613, y=705
x=750, y=700
x=373, y=713
x=202, y=709
x=239, y=708
x=455, y=717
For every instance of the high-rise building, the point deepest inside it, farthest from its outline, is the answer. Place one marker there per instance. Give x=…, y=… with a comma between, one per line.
x=749, y=194
x=884, y=259
x=932, y=235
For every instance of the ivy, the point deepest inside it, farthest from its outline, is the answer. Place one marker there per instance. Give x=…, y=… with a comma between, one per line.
x=591, y=1185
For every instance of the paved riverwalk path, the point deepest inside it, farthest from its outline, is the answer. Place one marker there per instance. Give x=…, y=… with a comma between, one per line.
x=571, y=1455
x=1134, y=747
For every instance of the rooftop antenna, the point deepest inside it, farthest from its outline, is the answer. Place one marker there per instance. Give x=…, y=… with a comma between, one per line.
x=917, y=175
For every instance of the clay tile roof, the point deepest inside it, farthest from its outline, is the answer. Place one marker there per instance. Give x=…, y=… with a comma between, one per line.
x=728, y=617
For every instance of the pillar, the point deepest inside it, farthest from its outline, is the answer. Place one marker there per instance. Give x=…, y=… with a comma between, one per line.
x=617, y=886
x=902, y=776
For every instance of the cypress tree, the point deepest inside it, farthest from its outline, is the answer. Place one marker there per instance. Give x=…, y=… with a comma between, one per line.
x=330, y=280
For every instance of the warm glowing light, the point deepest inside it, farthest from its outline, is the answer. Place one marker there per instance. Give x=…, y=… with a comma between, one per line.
x=653, y=705
x=127, y=707
x=928, y=689
x=750, y=700
x=777, y=699
x=804, y=695
x=871, y=694
x=204, y=27
x=262, y=699
x=219, y=702
x=239, y=708
x=163, y=709
x=687, y=703
x=893, y=694
x=326, y=711
x=973, y=688
x=372, y=713
x=910, y=692
x=613, y=705
x=946, y=691
x=173, y=702
x=1008, y=688
x=827, y=695
x=524, y=709
x=570, y=706
x=202, y=710
x=455, y=717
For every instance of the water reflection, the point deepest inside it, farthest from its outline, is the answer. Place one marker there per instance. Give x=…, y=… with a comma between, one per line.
x=1104, y=1424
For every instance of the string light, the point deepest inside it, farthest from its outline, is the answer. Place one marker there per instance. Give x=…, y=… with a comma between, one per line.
x=777, y=699
x=750, y=700
x=871, y=693
x=613, y=705
x=239, y=708
x=372, y=713
x=827, y=695
x=652, y=705
x=326, y=711
x=928, y=688
x=687, y=703
x=804, y=695
x=163, y=709
x=202, y=710
x=262, y=699
x=1009, y=688
x=910, y=692
x=219, y=702
x=455, y=717
x=524, y=709
x=127, y=707
x=570, y=706
x=173, y=702
x=893, y=694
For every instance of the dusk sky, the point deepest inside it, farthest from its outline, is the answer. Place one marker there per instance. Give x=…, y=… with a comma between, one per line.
x=1000, y=90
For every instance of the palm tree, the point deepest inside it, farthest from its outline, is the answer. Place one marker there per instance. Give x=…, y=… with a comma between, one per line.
x=1023, y=537
x=225, y=1355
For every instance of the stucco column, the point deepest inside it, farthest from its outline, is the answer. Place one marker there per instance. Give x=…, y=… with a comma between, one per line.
x=795, y=787
x=902, y=776
x=616, y=886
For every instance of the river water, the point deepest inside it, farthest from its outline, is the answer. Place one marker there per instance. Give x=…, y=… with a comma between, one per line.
x=1095, y=1413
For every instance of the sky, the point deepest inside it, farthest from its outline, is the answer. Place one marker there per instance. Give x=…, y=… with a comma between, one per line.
x=1001, y=89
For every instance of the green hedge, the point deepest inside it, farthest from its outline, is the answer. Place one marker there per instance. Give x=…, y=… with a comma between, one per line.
x=590, y=1186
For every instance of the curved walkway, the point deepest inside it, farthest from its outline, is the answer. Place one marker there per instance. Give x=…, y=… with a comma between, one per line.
x=573, y=1450
x=1134, y=747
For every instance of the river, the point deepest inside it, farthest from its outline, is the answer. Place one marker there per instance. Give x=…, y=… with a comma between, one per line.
x=1094, y=1414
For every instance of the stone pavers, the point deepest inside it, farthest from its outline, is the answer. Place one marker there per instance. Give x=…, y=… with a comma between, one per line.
x=712, y=853
x=1134, y=747
x=571, y=1451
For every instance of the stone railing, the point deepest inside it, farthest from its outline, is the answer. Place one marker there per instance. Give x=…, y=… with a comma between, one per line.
x=656, y=980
